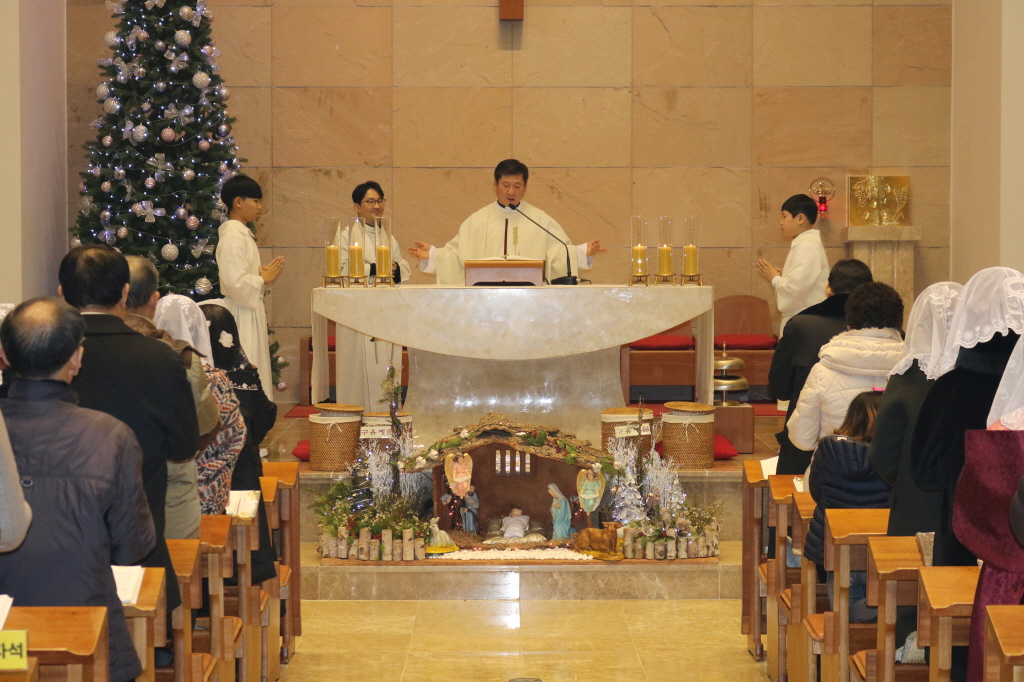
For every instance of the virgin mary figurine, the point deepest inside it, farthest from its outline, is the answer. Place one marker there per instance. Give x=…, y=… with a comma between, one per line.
x=561, y=514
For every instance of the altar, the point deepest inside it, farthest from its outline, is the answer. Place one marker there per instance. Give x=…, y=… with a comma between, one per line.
x=539, y=354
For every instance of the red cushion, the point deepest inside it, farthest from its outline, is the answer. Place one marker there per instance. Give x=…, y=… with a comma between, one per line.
x=301, y=450
x=745, y=341
x=664, y=342
x=331, y=343
x=724, y=448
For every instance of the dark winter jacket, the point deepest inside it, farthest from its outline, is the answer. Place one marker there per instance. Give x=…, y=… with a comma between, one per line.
x=912, y=510
x=958, y=400
x=841, y=478
x=81, y=471
x=1017, y=513
x=795, y=354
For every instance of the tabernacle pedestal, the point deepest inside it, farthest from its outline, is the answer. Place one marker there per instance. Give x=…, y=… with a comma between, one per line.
x=547, y=355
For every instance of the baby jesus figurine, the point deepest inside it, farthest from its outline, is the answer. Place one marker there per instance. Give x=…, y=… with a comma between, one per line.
x=515, y=524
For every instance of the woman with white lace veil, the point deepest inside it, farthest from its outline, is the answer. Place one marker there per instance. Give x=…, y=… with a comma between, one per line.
x=913, y=510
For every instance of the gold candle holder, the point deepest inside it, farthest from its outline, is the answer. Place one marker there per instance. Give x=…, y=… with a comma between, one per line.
x=638, y=251
x=385, y=264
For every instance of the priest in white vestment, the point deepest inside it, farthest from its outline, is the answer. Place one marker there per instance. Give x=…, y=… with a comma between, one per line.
x=363, y=360
x=242, y=278
x=508, y=227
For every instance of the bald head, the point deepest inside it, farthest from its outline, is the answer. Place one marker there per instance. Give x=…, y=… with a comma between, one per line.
x=42, y=337
x=143, y=285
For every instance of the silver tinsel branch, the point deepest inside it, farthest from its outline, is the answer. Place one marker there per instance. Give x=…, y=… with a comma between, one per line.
x=627, y=501
x=378, y=466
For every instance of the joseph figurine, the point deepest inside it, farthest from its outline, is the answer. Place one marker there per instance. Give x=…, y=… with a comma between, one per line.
x=507, y=227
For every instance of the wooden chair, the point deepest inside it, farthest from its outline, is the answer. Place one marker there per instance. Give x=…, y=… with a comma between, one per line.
x=778, y=576
x=754, y=485
x=290, y=570
x=1004, y=643
x=189, y=666
x=245, y=602
x=70, y=642
x=219, y=634
x=147, y=620
x=270, y=611
x=893, y=563
x=743, y=314
x=29, y=675
x=945, y=598
x=801, y=660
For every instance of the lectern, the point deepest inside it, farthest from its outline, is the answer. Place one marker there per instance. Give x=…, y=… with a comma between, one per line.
x=501, y=272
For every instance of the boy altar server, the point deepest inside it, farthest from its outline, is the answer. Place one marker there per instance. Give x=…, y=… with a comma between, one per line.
x=505, y=228
x=242, y=278
x=802, y=280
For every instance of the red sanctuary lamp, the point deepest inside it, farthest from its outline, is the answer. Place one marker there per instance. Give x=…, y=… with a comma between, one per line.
x=823, y=189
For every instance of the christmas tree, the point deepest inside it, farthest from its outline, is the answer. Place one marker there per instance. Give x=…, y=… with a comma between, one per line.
x=163, y=146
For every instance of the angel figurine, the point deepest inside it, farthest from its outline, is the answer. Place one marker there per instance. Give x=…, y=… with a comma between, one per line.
x=590, y=486
x=458, y=469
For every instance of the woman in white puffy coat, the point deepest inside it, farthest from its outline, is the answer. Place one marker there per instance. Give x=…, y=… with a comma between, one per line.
x=852, y=362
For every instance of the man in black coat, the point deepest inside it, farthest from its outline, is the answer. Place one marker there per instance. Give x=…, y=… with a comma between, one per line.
x=797, y=351
x=81, y=471
x=138, y=380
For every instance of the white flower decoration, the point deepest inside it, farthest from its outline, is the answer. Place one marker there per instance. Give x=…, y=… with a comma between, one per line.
x=226, y=339
x=596, y=466
x=432, y=454
x=464, y=434
x=420, y=462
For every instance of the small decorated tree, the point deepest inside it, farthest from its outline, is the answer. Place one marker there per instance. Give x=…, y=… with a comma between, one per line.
x=163, y=146
x=627, y=501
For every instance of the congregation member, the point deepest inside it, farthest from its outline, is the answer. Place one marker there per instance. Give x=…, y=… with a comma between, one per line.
x=15, y=514
x=912, y=510
x=840, y=477
x=259, y=415
x=182, y=508
x=363, y=360
x=243, y=281
x=504, y=228
x=1017, y=513
x=182, y=318
x=136, y=379
x=797, y=351
x=853, y=362
x=81, y=471
x=801, y=281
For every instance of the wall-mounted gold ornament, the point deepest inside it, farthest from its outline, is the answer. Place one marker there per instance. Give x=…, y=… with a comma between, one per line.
x=879, y=200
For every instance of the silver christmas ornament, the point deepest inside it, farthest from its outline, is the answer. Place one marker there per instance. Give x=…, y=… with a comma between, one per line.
x=107, y=140
x=168, y=135
x=203, y=286
x=182, y=38
x=201, y=79
x=223, y=130
x=96, y=171
x=150, y=183
x=111, y=105
x=119, y=173
x=282, y=386
x=143, y=35
x=181, y=213
x=105, y=216
x=111, y=39
x=186, y=13
x=159, y=46
x=189, y=174
x=192, y=223
x=223, y=168
x=160, y=86
x=122, y=233
x=137, y=209
x=169, y=252
x=146, y=107
x=139, y=134
x=102, y=91
x=140, y=73
x=106, y=186
x=204, y=145
x=224, y=93
x=75, y=242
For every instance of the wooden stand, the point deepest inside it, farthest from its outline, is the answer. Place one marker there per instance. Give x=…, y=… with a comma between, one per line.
x=333, y=282
x=639, y=279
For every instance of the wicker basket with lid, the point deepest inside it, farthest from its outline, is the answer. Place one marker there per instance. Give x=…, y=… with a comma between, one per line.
x=334, y=436
x=688, y=435
x=625, y=416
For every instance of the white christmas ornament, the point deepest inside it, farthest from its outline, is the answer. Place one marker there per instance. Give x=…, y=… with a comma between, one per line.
x=182, y=38
x=169, y=252
x=111, y=39
x=203, y=286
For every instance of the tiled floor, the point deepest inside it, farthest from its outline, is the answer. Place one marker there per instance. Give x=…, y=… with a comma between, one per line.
x=496, y=641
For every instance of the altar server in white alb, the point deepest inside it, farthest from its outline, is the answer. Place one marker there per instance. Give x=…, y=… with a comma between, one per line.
x=802, y=281
x=507, y=227
x=363, y=361
x=242, y=279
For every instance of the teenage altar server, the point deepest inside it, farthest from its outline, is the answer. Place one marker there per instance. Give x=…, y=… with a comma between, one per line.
x=507, y=227
x=363, y=360
x=242, y=278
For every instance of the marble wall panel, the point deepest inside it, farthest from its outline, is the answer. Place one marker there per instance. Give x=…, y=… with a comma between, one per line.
x=571, y=126
x=217, y=4
x=931, y=264
x=772, y=186
x=812, y=126
x=82, y=109
x=86, y=26
x=341, y=46
x=691, y=127
x=251, y=108
x=574, y=46
x=589, y=203
x=719, y=198
x=450, y=46
x=674, y=3
x=913, y=2
x=332, y=126
x=441, y=127
x=729, y=271
x=691, y=46
x=244, y=40
x=581, y=3
x=911, y=126
x=912, y=45
x=790, y=47
x=264, y=177
x=290, y=295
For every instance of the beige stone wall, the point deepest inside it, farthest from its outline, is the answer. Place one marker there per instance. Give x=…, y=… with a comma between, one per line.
x=717, y=111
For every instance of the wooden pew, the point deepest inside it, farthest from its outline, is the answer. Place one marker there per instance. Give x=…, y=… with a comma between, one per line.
x=270, y=611
x=188, y=665
x=246, y=538
x=893, y=563
x=754, y=485
x=290, y=571
x=780, y=499
x=945, y=599
x=70, y=642
x=30, y=675
x=1004, y=643
x=800, y=656
x=222, y=632
x=147, y=620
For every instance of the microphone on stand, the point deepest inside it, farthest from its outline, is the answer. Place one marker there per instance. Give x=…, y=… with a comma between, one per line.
x=568, y=279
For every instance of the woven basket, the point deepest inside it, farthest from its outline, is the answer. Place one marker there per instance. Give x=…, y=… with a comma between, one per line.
x=623, y=416
x=378, y=418
x=334, y=436
x=688, y=435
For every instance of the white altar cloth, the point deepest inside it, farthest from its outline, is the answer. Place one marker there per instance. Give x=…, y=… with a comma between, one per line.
x=548, y=355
